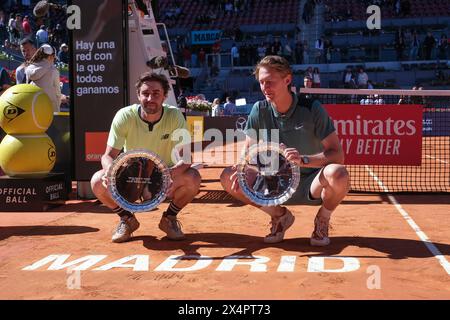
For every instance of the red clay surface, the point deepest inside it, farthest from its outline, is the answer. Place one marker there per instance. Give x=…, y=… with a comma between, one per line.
x=366, y=229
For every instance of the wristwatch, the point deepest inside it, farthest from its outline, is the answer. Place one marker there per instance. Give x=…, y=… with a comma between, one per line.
x=305, y=159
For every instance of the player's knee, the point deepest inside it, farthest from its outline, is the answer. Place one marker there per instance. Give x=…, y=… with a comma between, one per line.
x=337, y=176
x=225, y=177
x=96, y=182
x=192, y=179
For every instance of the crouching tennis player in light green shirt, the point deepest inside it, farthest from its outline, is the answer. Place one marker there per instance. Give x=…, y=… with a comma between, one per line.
x=148, y=125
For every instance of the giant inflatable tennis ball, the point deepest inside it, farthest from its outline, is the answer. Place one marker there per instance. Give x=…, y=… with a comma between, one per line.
x=27, y=155
x=24, y=109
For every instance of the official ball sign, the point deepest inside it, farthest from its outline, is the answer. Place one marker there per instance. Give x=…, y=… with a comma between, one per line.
x=30, y=194
x=379, y=135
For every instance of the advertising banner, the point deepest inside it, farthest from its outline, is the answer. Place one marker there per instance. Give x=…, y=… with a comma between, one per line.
x=436, y=122
x=379, y=134
x=98, y=77
x=205, y=36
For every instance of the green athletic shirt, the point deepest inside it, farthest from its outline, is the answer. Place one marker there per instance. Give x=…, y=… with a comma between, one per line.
x=130, y=132
x=303, y=127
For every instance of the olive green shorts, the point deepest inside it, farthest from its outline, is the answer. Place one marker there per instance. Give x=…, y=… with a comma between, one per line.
x=303, y=195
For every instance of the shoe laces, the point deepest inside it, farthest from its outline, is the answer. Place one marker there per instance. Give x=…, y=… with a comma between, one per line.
x=321, y=227
x=275, y=222
x=176, y=224
x=122, y=227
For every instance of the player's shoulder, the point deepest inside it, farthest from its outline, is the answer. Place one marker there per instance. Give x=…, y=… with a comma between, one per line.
x=309, y=102
x=171, y=110
x=128, y=111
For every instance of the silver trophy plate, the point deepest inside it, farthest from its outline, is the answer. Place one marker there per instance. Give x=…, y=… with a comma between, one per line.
x=266, y=177
x=139, y=180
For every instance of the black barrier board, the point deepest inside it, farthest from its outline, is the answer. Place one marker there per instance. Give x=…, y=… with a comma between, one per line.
x=31, y=194
x=98, y=76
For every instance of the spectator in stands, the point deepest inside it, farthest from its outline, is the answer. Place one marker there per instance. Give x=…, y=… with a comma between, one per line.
x=305, y=53
x=3, y=27
x=319, y=46
x=216, y=108
x=443, y=46
x=348, y=16
x=316, y=78
x=307, y=81
x=41, y=36
x=417, y=99
x=28, y=50
x=298, y=52
x=309, y=72
x=182, y=101
x=287, y=51
x=228, y=8
x=5, y=80
x=397, y=7
x=41, y=71
x=13, y=29
x=428, y=44
x=261, y=51
x=308, y=11
x=212, y=16
x=235, y=55
x=26, y=27
x=277, y=47
x=194, y=59
x=328, y=47
x=353, y=84
x=187, y=57
x=362, y=79
x=229, y=107
x=405, y=8
x=63, y=54
x=415, y=44
x=403, y=100
x=237, y=34
x=347, y=77
x=399, y=44
x=202, y=58
x=370, y=85
x=59, y=34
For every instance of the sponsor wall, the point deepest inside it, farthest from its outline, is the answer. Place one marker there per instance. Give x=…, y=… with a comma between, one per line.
x=380, y=134
x=98, y=77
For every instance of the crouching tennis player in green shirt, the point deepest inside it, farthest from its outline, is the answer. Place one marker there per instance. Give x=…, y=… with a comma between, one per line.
x=310, y=139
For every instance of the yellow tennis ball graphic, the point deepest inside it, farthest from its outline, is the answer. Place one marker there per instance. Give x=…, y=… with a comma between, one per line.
x=27, y=155
x=24, y=109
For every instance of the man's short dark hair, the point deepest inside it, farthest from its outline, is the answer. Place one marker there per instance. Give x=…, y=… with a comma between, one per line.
x=151, y=76
x=25, y=41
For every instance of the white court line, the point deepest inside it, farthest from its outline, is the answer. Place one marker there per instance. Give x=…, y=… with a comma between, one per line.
x=422, y=236
x=431, y=157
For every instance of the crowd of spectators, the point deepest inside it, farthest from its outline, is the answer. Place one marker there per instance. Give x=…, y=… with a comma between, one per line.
x=18, y=22
x=420, y=47
x=41, y=42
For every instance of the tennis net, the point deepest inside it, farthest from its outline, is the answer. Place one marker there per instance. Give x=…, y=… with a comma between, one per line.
x=431, y=172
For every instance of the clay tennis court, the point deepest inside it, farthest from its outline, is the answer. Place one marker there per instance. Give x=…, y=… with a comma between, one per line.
x=383, y=247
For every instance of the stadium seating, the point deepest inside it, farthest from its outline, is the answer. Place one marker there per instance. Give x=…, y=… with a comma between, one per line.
x=263, y=13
